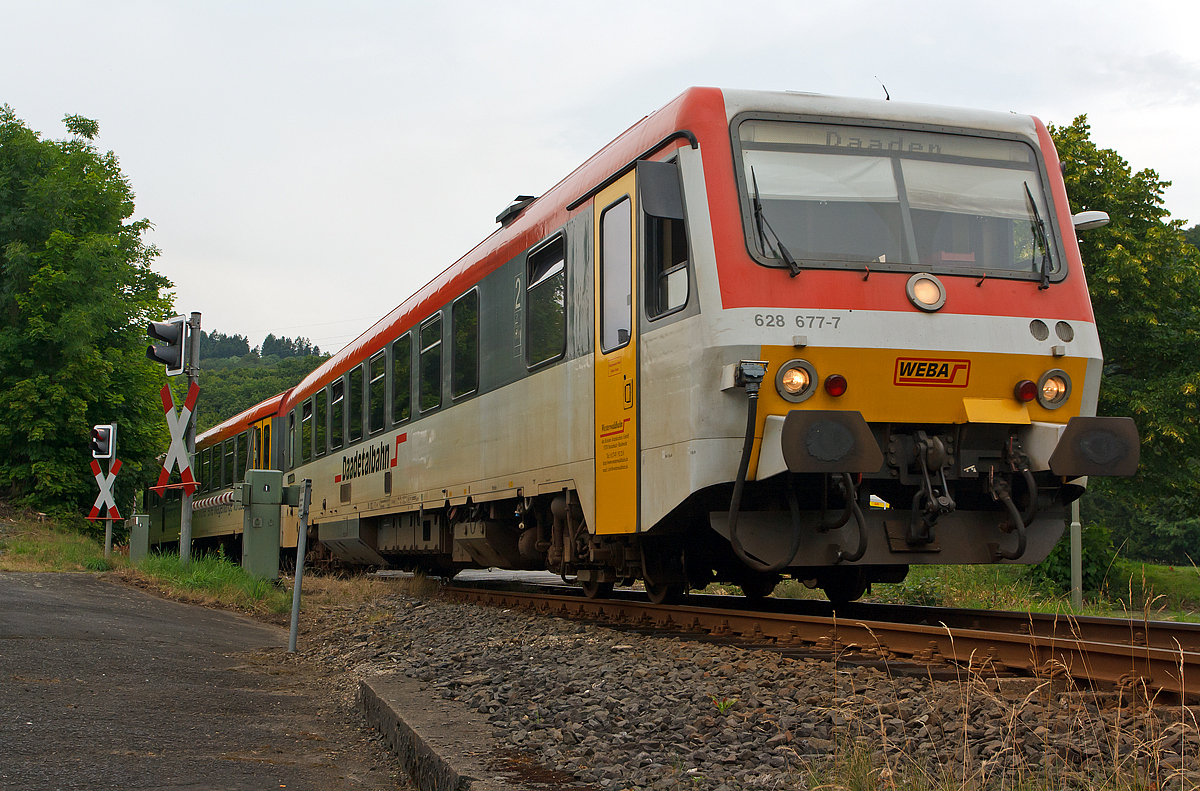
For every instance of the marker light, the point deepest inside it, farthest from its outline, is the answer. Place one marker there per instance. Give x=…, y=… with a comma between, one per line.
x=1025, y=391
x=835, y=385
x=926, y=292
x=796, y=380
x=1053, y=388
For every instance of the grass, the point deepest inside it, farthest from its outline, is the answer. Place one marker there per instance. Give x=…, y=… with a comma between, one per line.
x=209, y=580
x=31, y=544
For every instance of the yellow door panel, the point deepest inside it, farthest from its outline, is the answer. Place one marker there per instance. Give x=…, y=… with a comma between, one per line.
x=616, y=356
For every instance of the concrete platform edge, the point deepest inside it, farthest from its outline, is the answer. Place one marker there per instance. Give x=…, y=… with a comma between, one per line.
x=433, y=742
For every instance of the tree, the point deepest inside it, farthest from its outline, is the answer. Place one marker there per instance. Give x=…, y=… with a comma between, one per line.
x=286, y=347
x=76, y=291
x=1144, y=280
x=1192, y=235
x=219, y=346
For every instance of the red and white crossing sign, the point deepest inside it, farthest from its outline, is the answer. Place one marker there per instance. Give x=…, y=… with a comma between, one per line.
x=177, y=424
x=105, y=498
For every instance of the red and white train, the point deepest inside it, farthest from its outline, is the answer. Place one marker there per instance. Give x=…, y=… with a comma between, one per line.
x=708, y=350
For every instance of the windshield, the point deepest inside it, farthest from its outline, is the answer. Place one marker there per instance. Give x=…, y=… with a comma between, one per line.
x=889, y=198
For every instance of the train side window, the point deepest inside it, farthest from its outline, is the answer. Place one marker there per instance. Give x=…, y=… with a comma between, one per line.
x=665, y=242
x=291, y=440
x=205, y=468
x=465, y=354
x=230, y=462
x=266, y=447
x=430, y=369
x=616, y=280
x=377, y=392
x=402, y=379
x=320, y=419
x=356, y=405
x=337, y=416
x=306, y=432
x=241, y=447
x=545, y=304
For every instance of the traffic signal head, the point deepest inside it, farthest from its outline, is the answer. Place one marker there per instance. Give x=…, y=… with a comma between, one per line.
x=104, y=441
x=170, y=332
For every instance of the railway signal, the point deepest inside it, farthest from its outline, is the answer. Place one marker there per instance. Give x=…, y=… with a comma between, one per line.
x=172, y=333
x=104, y=441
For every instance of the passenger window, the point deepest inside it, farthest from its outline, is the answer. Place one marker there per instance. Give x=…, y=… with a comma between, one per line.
x=402, y=379
x=291, y=440
x=465, y=362
x=377, y=392
x=616, y=280
x=230, y=463
x=205, y=469
x=320, y=409
x=239, y=456
x=431, y=363
x=306, y=434
x=337, y=417
x=266, y=447
x=356, y=404
x=546, y=313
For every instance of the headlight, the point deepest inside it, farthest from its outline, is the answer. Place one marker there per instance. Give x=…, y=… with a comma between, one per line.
x=1053, y=388
x=796, y=380
x=926, y=292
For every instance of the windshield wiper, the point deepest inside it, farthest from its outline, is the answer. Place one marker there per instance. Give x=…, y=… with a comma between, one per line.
x=1039, y=227
x=760, y=220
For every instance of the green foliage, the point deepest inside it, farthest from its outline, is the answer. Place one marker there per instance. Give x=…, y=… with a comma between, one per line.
x=227, y=390
x=1192, y=235
x=288, y=347
x=76, y=290
x=1097, y=556
x=215, y=578
x=1144, y=280
x=219, y=346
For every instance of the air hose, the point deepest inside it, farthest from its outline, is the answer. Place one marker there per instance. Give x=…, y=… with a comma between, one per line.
x=740, y=483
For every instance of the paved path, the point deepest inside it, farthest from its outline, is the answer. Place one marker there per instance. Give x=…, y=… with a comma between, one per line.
x=105, y=687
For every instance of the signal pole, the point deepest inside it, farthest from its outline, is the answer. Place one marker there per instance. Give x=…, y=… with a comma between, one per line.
x=192, y=369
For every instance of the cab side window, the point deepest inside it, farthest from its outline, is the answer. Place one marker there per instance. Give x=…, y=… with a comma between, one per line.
x=665, y=240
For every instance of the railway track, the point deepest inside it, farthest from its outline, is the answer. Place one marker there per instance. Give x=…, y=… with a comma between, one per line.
x=1154, y=657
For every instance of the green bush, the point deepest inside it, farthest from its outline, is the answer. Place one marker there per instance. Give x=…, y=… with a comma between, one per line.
x=1098, y=556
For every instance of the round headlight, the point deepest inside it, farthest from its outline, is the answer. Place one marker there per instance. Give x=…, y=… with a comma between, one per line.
x=1053, y=388
x=796, y=380
x=926, y=292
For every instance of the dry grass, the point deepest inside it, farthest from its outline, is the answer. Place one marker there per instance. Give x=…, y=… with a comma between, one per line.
x=31, y=543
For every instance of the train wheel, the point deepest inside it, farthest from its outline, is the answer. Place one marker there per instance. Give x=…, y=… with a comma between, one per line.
x=664, y=593
x=597, y=590
x=845, y=585
x=759, y=586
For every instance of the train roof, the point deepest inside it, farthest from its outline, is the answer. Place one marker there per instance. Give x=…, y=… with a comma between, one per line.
x=238, y=423
x=705, y=112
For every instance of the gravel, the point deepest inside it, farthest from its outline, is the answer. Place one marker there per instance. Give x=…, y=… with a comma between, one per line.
x=623, y=711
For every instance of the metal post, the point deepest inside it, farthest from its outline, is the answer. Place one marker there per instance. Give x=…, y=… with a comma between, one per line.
x=193, y=375
x=108, y=537
x=1076, y=558
x=301, y=537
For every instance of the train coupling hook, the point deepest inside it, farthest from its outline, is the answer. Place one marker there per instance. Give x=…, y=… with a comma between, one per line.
x=931, y=501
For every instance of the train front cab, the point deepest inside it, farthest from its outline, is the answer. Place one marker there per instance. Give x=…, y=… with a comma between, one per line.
x=926, y=339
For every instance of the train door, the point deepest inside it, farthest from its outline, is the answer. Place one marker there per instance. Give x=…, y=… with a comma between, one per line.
x=616, y=357
x=260, y=438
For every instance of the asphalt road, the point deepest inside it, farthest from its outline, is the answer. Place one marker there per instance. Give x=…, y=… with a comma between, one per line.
x=106, y=687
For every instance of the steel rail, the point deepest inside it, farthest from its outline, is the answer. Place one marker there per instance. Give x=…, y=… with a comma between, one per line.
x=1123, y=665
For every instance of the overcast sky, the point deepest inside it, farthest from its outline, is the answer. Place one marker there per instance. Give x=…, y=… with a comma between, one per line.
x=307, y=166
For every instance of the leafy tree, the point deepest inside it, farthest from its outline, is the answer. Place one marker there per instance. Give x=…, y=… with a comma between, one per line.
x=286, y=347
x=218, y=346
x=1192, y=235
x=76, y=290
x=1144, y=280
